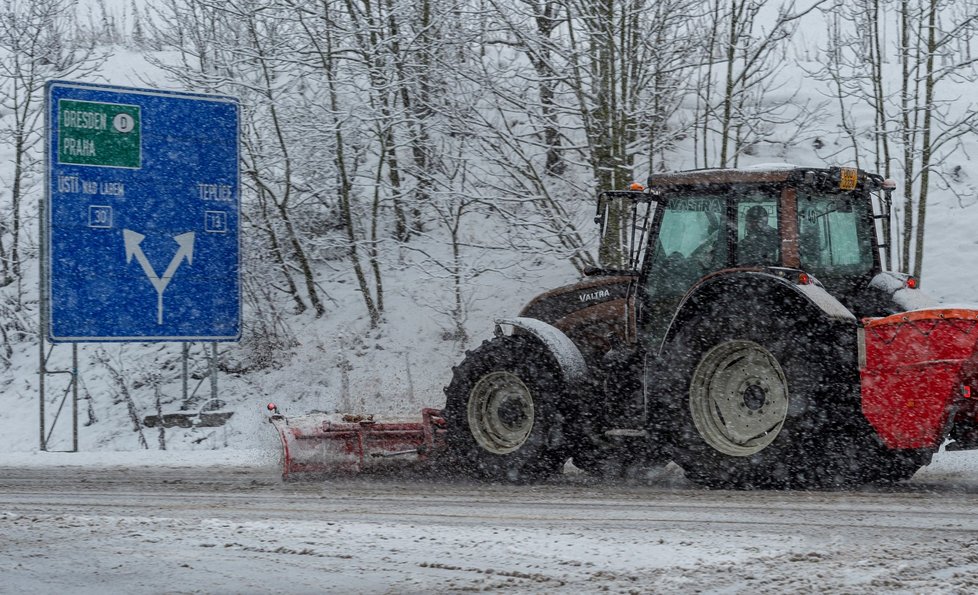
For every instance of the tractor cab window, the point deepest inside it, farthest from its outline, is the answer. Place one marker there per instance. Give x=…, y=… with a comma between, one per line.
x=691, y=243
x=758, y=242
x=834, y=237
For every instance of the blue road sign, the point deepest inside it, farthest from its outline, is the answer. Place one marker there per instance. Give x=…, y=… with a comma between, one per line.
x=141, y=215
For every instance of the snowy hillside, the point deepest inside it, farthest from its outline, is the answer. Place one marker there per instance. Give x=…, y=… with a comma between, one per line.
x=338, y=361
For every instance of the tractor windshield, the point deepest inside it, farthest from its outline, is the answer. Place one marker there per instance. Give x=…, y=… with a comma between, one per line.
x=835, y=236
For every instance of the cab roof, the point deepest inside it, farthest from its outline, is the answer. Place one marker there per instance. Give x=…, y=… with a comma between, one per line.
x=766, y=174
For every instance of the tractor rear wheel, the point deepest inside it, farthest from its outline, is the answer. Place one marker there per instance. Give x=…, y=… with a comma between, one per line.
x=738, y=398
x=892, y=466
x=746, y=401
x=873, y=463
x=502, y=412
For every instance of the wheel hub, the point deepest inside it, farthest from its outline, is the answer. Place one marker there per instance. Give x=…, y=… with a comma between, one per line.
x=738, y=398
x=754, y=397
x=512, y=413
x=500, y=412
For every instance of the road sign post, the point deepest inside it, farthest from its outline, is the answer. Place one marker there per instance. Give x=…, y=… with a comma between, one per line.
x=139, y=222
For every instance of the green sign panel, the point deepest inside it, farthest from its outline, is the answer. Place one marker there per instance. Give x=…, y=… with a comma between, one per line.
x=101, y=134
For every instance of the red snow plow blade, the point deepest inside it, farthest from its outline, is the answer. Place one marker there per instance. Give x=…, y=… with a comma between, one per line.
x=327, y=443
x=918, y=372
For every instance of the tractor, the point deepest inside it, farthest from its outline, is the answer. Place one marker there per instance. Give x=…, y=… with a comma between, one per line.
x=754, y=336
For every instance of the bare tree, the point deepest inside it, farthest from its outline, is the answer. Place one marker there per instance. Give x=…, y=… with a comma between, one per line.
x=622, y=79
x=743, y=60
x=320, y=30
x=918, y=116
x=417, y=73
x=930, y=31
x=530, y=26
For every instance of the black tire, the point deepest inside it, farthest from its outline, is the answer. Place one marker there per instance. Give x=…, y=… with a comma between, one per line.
x=874, y=463
x=502, y=412
x=892, y=466
x=755, y=400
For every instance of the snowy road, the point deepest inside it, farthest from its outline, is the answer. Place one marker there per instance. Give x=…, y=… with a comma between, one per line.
x=221, y=529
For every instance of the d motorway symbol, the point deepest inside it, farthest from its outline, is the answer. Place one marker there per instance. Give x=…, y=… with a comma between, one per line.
x=133, y=248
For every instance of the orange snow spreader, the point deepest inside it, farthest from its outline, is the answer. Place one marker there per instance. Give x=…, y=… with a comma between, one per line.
x=919, y=375
x=324, y=443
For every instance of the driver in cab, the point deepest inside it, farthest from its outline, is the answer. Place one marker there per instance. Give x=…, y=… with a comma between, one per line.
x=760, y=242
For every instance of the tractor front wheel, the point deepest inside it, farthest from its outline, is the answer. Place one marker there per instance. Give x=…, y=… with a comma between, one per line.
x=502, y=412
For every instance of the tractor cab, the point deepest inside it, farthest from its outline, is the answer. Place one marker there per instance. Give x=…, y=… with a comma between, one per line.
x=816, y=225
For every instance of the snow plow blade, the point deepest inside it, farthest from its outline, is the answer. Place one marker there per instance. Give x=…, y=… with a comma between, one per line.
x=919, y=371
x=337, y=443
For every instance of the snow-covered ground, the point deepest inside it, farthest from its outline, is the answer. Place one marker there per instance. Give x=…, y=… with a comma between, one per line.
x=946, y=466
x=222, y=522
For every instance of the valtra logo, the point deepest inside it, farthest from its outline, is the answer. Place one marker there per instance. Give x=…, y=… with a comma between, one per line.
x=595, y=295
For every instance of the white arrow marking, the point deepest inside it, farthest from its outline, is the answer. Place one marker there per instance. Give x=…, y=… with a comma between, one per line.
x=133, y=248
x=186, y=241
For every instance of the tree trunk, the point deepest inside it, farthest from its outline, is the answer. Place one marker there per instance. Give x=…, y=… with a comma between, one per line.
x=926, y=148
x=907, y=136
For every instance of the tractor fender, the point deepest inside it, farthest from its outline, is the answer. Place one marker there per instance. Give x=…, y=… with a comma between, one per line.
x=769, y=286
x=573, y=367
x=905, y=297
